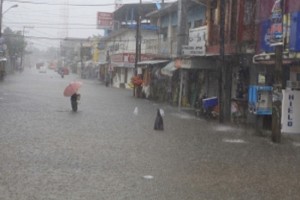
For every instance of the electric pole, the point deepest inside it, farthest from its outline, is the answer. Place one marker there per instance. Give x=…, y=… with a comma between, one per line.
x=137, y=43
x=23, y=50
x=1, y=15
x=222, y=60
x=181, y=40
x=276, y=107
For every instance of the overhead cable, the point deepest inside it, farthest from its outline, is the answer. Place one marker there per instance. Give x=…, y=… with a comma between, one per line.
x=59, y=4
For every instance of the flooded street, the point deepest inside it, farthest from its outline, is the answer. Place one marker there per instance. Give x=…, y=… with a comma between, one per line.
x=105, y=151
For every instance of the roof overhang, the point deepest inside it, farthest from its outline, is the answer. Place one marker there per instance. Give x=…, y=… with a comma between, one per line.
x=3, y=59
x=270, y=58
x=128, y=9
x=171, y=7
x=193, y=63
x=164, y=10
x=152, y=62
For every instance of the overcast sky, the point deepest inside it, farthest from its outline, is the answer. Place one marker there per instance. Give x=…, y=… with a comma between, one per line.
x=42, y=19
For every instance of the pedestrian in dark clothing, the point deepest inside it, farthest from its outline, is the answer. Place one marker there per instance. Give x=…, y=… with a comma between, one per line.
x=159, y=123
x=74, y=101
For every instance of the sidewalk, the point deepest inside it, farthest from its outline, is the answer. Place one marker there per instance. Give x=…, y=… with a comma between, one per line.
x=189, y=113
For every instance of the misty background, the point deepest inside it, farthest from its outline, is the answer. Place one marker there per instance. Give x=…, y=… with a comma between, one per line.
x=45, y=22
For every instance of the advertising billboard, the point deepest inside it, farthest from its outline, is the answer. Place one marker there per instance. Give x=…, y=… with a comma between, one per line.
x=276, y=29
x=104, y=20
x=290, y=111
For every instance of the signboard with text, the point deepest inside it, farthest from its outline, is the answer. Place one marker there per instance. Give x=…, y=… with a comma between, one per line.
x=290, y=112
x=197, y=42
x=127, y=59
x=276, y=29
x=193, y=50
x=104, y=20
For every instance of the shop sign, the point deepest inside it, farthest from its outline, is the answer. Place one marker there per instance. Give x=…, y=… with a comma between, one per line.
x=193, y=50
x=197, y=41
x=290, y=112
x=104, y=20
x=276, y=29
x=127, y=59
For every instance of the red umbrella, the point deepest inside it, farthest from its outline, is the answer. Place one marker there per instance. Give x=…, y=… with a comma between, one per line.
x=72, y=88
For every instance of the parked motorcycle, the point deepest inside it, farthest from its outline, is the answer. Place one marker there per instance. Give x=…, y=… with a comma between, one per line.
x=210, y=108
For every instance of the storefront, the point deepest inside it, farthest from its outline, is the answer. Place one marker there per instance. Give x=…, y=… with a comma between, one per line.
x=155, y=84
x=288, y=97
x=191, y=78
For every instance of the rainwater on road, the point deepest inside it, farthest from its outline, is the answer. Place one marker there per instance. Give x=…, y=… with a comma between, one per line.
x=105, y=151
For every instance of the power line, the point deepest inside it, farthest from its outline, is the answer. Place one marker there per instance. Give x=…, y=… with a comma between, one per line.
x=35, y=37
x=43, y=33
x=44, y=44
x=69, y=39
x=50, y=24
x=60, y=4
x=34, y=17
x=61, y=28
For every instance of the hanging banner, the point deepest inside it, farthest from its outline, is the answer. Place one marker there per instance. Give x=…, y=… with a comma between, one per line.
x=290, y=111
x=276, y=29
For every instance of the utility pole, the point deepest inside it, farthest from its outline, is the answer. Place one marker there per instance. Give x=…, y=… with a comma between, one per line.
x=3, y=12
x=81, y=59
x=181, y=40
x=22, y=53
x=137, y=43
x=222, y=61
x=276, y=108
x=1, y=15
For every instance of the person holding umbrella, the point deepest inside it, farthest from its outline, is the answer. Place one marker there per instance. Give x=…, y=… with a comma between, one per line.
x=72, y=91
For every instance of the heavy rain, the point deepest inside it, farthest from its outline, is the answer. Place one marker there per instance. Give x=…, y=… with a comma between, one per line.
x=159, y=99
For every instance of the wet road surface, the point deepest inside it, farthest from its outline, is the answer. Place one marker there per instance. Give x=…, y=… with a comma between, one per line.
x=104, y=151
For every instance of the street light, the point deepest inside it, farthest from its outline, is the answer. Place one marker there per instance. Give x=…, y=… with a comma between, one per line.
x=13, y=6
x=2, y=13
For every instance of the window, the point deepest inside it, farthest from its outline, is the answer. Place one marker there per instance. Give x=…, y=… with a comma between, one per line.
x=198, y=23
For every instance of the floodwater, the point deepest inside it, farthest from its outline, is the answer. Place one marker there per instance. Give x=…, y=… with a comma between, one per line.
x=108, y=151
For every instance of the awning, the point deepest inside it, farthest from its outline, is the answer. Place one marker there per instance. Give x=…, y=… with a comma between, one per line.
x=168, y=69
x=270, y=58
x=151, y=62
x=102, y=62
x=188, y=64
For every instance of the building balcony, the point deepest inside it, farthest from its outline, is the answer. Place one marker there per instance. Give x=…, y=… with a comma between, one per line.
x=167, y=48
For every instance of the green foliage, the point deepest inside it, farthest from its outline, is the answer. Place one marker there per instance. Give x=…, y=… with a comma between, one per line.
x=15, y=42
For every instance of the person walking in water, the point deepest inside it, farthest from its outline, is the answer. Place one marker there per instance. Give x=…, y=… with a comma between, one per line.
x=74, y=101
x=159, y=123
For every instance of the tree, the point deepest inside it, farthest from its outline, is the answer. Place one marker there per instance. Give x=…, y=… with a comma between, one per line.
x=15, y=42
